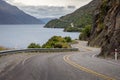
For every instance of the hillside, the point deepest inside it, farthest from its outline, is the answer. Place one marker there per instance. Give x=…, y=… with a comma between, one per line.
x=12, y=15
x=80, y=18
x=106, y=29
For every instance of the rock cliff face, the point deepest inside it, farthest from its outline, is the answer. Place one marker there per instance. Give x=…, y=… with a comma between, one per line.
x=106, y=29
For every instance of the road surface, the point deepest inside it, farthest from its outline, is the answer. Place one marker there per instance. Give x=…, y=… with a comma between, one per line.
x=82, y=65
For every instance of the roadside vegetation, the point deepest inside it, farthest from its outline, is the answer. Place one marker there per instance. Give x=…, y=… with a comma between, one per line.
x=34, y=45
x=85, y=33
x=54, y=42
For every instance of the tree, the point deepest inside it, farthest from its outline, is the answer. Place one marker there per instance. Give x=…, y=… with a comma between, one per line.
x=85, y=33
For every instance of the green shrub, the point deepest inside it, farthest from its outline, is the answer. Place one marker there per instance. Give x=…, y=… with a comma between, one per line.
x=68, y=39
x=34, y=45
x=85, y=33
x=56, y=42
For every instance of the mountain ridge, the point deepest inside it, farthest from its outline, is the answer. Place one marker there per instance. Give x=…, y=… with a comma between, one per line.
x=13, y=15
x=80, y=18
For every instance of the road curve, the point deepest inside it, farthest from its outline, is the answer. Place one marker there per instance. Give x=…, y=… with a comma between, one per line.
x=64, y=66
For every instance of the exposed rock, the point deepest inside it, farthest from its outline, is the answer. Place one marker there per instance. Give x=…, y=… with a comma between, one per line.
x=106, y=30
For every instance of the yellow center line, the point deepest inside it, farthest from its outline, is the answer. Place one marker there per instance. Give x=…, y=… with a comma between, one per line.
x=67, y=59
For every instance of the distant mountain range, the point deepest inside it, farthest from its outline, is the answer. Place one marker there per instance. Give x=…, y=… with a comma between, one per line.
x=12, y=15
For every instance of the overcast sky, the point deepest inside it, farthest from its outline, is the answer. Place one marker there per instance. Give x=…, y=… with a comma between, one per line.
x=76, y=3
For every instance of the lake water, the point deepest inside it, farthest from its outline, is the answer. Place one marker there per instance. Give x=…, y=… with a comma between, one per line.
x=20, y=36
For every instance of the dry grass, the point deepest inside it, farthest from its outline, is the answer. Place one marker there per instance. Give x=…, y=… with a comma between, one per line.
x=3, y=48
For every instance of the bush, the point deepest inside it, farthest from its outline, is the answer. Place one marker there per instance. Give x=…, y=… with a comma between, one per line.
x=56, y=42
x=34, y=45
x=68, y=39
x=85, y=33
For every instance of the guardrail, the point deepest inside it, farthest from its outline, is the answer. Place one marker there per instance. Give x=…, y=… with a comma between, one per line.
x=38, y=50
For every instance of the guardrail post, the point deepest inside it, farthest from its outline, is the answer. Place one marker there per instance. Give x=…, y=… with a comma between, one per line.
x=116, y=54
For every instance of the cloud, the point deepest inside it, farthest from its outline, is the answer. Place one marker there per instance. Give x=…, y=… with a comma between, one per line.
x=47, y=11
x=77, y=3
x=47, y=8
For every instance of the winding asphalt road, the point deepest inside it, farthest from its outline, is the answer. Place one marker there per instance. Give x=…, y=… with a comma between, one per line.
x=80, y=65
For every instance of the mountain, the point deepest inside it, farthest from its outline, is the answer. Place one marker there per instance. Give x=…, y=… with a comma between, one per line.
x=80, y=18
x=106, y=29
x=12, y=15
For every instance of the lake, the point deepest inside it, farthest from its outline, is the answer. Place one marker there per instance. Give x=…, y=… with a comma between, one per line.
x=20, y=36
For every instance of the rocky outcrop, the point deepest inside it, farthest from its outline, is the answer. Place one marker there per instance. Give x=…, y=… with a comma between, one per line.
x=106, y=29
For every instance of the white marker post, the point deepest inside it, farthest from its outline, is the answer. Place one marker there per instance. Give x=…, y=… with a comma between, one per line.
x=116, y=54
